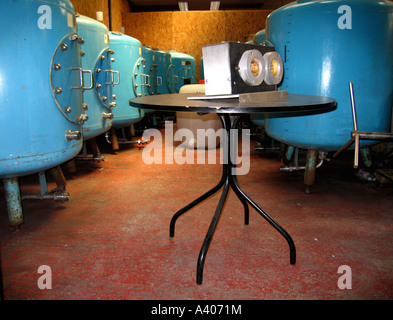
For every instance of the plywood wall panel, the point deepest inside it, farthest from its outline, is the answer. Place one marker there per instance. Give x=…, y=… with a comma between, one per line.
x=89, y=8
x=151, y=28
x=240, y=24
x=118, y=9
x=185, y=32
x=189, y=31
x=194, y=29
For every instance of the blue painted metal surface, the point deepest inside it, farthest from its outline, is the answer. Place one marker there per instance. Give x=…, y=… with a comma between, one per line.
x=259, y=37
x=164, y=72
x=150, y=70
x=325, y=45
x=128, y=60
x=38, y=104
x=183, y=70
x=98, y=96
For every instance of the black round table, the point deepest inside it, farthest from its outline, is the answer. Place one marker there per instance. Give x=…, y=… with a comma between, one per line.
x=229, y=111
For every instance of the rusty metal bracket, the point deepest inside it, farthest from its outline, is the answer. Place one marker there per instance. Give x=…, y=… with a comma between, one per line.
x=357, y=135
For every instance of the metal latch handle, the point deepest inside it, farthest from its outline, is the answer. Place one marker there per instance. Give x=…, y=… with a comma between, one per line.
x=159, y=83
x=81, y=71
x=147, y=80
x=112, y=77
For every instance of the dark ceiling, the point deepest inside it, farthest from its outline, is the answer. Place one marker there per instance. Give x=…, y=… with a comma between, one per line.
x=172, y=5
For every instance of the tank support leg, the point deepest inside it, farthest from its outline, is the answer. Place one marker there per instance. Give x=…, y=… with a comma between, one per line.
x=57, y=194
x=71, y=166
x=288, y=154
x=95, y=151
x=311, y=164
x=154, y=119
x=132, y=130
x=14, y=203
x=115, y=143
x=58, y=176
x=366, y=157
x=94, y=147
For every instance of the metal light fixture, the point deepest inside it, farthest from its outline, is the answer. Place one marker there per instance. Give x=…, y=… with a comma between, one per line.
x=183, y=6
x=214, y=5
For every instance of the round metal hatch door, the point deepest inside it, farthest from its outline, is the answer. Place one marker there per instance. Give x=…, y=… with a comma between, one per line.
x=105, y=78
x=67, y=78
x=139, y=79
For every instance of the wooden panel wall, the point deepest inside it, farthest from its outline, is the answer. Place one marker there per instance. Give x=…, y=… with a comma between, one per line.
x=90, y=7
x=181, y=31
x=189, y=31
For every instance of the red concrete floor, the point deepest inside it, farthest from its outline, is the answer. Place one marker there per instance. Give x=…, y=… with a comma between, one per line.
x=111, y=239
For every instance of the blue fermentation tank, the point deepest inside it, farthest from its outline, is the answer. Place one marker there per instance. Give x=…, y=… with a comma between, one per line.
x=150, y=70
x=127, y=55
x=165, y=83
x=325, y=45
x=99, y=78
x=41, y=112
x=183, y=70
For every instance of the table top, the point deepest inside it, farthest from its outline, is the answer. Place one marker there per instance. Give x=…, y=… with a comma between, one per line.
x=180, y=102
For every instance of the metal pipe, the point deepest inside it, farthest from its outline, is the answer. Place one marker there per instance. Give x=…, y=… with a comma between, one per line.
x=125, y=141
x=352, y=96
x=107, y=137
x=374, y=135
x=57, y=196
x=355, y=126
x=309, y=174
x=97, y=157
x=297, y=168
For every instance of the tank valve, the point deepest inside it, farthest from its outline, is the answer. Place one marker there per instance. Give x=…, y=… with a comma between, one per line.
x=73, y=135
x=107, y=116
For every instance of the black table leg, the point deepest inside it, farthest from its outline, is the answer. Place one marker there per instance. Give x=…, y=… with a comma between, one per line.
x=196, y=201
x=228, y=180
